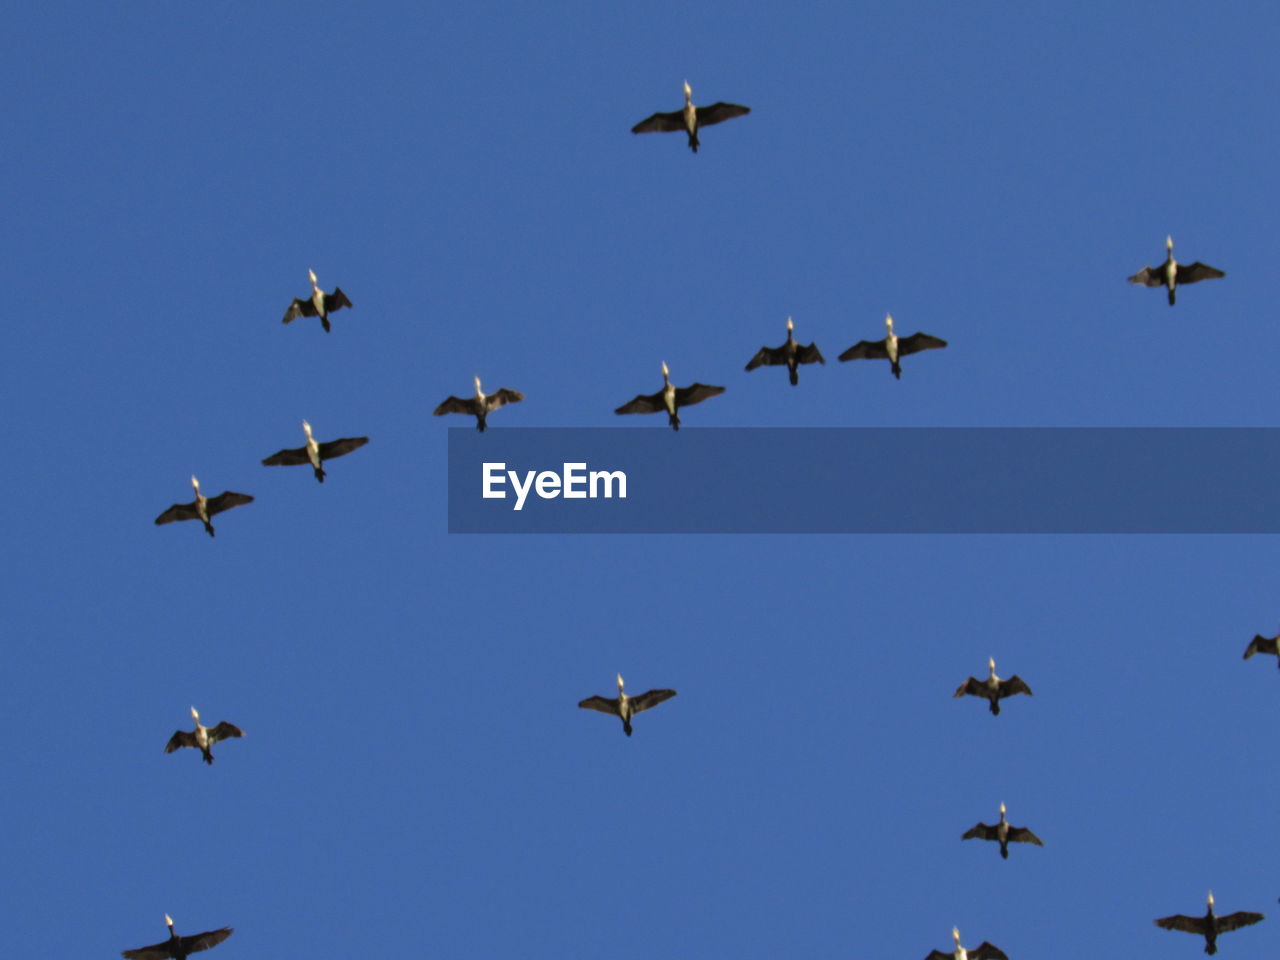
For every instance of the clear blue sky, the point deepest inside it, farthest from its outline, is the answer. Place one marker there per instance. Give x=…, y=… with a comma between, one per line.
x=416, y=779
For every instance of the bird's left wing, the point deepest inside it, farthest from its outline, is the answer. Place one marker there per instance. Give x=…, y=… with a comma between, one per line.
x=224, y=731
x=917, y=342
x=203, y=941
x=695, y=393
x=226, y=500
x=979, y=831
x=767, y=356
x=503, y=396
x=299, y=308
x=603, y=704
x=179, y=511
x=649, y=699
x=1014, y=684
x=337, y=448
x=661, y=123
x=1149, y=277
x=1180, y=921
x=972, y=685
x=180, y=738
x=719, y=112
x=453, y=404
x=157, y=951
x=810, y=354
x=1023, y=835
x=287, y=458
x=987, y=951
x=1191, y=273
x=866, y=350
x=644, y=403
x=1233, y=921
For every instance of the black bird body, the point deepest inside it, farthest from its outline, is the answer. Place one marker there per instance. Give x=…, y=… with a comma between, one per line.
x=176, y=947
x=315, y=453
x=690, y=119
x=319, y=304
x=202, y=737
x=1172, y=274
x=993, y=689
x=791, y=354
x=1210, y=925
x=1003, y=833
x=984, y=951
x=202, y=508
x=1261, y=644
x=479, y=406
x=892, y=348
x=670, y=398
x=624, y=706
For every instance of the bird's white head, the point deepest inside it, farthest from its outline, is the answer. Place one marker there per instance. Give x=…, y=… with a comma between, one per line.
x=195, y=715
x=619, y=683
x=306, y=428
x=955, y=933
x=1211, y=898
x=312, y=274
x=195, y=483
x=1003, y=811
x=479, y=392
x=168, y=920
x=991, y=664
x=665, y=371
x=1168, y=243
x=688, y=91
x=790, y=325
x=888, y=322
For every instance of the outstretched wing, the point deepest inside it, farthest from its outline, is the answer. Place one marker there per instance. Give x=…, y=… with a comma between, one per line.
x=917, y=342
x=495, y=400
x=649, y=699
x=1023, y=835
x=157, y=951
x=180, y=738
x=1259, y=644
x=1180, y=921
x=1014, y=684
x=1149, y=277
x=1234, y=921
x=644, y=403
x=661, y=123
x=768, y=356
x=939, y=955
x=300, y=308
x=810, y=354
x=603, y=704
x=980, y=831
x=179, y=511
x=226, y=500
x=455, y=405
x=987, y=951
x=287, y=458
x=335, y=301
x=695, y=393
x=973, y=685
x=203, y=941
x=866, y=350
x=223, y=731
x=337, y=448
x=1194, y=272
x=718, y=113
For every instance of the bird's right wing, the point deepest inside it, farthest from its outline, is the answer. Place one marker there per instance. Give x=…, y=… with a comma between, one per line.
x=644, y=403
x=1014, y=684
x=338, y=448
x=661, y=123
x=1192, y=273
x=226, y=500
x=696, y=393
x=649, y=699
x=603, y=704
x=157, y=951
x=180, y=738
x=299, y=308
x=1180, y=921
x=767, y=356
x=1259, y=644
x=718, y=113
x=1149, y=277
x=917, y=342
x=503, y=396
x=287, y=458
x=455, y=405
x=203, y=941
x=179, y=511
x=1023, y=835
x=810, y=354
x=1234, y=921
x=866, y=350
x=980, y=831
x=972, y=685
x=336, y=300
x=223, y=731
x=939, y=955
x=987, y=951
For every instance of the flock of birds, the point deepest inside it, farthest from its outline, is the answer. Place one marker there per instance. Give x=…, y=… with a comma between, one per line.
x=670, y=399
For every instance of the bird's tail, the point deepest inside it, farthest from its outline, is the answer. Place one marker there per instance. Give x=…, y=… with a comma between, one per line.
x=208, y=757
x=795, y=376
x=320, y=474
x=1173, y=296
x=897, y=371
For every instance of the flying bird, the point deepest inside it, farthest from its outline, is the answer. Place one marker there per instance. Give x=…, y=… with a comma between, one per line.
x=790, y=354
x=993, y=688
x=1261, y=644
x=624, y=706
x=202, y=507
x=1003, y=832
x=892, y=347
x=985, y=951
x=479, y=406
x=1210, y=925
x=176, y=947
x=314, y=453
x=202, y=737
x=670, y=399
x=1173, y=274
x=319, y=304
x=690, y=119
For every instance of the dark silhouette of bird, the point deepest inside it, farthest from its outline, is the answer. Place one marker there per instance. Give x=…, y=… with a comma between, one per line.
x=314, y=453
x=1003, y=832
x=1173, y=274
x=1261, y=644
x=624, y=706
x=892, y=348
x=479, y=406
x=690, y=119
x=176, y=947
x=319, y=304
x=993, y=688
x=202, y=507
x=1210, y=925
x=670, y=398
x=791, y=354
x=983, y=951
x=202, y=737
